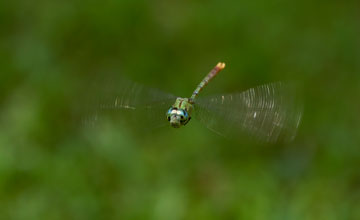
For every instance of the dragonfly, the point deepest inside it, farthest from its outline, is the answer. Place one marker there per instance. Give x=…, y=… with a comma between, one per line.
x=270, y=112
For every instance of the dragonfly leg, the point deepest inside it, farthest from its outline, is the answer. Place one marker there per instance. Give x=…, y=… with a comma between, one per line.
x=187, y=121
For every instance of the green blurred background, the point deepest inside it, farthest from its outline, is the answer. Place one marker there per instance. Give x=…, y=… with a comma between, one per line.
x=52, y=168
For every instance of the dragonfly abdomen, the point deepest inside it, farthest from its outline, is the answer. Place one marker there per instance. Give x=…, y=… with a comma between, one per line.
x=220, y=66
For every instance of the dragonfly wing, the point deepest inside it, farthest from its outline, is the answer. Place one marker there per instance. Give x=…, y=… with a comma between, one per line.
x=270, y=113
x=145, y=106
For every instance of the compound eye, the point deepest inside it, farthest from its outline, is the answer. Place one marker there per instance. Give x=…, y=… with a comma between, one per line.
x=169, y=111
x=183, y=115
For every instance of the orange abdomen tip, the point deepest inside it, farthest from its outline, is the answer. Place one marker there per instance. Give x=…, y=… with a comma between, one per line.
x=220, y=65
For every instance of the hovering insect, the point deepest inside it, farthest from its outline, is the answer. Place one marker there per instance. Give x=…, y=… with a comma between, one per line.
x=268, y=112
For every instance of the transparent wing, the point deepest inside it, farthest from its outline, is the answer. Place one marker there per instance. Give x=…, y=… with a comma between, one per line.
x=145, y=107
x=270, y=113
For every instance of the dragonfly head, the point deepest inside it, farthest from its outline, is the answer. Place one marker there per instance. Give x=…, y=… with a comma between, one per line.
x=177, y=117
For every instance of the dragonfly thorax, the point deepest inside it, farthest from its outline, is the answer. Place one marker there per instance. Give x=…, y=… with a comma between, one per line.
x=179, y=113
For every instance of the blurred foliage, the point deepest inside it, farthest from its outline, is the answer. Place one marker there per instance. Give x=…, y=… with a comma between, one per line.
x=53, y=168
